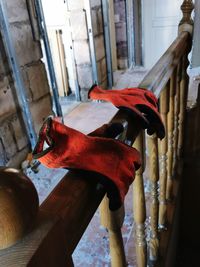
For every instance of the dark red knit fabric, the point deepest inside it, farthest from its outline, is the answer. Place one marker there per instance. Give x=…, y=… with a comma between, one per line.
x=69, y=148
x=140, y=102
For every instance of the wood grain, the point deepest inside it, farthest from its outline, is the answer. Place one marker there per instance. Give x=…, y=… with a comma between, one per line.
x=139, y=208
x=113, y=221
x=154, y=178
x=170, y=129
x=18, y=206
x=164, y=107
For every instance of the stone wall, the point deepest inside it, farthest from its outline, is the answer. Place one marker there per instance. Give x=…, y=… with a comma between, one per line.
x=121, y=34
x=81, y=45
x=13, y=138
x=97, y=22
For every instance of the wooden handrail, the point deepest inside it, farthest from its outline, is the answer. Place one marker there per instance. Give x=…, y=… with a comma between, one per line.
x=77, y=196
x=63, y=217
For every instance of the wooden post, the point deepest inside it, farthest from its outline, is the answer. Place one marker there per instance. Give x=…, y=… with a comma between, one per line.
x=154, y=177
x=176, y=118
x=183, y=103
x=170, y=133
x=164, y=107
x=186, y=24
x=139, y=208
x=113, y=221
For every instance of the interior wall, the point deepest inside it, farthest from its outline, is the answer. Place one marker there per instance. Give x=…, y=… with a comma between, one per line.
x=196, y=37
x=71, y=17
x=81, y=45
x=13, y=138
x=98, y=28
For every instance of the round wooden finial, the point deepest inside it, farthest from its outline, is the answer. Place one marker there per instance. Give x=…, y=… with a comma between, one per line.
x=187, y=8
x=186, y=23
x=18, y=206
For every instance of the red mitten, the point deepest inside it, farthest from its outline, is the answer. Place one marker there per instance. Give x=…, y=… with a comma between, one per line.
x=113, y=161
x=140, y=102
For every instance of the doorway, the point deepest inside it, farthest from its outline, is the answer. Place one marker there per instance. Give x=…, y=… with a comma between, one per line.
x=160, y=21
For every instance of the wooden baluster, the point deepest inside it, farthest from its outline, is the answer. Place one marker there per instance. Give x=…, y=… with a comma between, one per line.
x=164, y=97
x=186, y=24
x=139, y=208
x=176, y=118
x=113, y=221
x=170, y=130
x=183, y=102
x=154, y=177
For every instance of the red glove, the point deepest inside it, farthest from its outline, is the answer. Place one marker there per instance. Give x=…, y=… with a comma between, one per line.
x=112, y=161
x=140, y=102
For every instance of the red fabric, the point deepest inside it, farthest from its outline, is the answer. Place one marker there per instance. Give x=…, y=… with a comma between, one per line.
x=69, y=148
x=140, y=102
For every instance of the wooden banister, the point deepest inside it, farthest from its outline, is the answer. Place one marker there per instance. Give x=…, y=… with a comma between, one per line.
x=168, y=80
x=63, y=218
x=67, y=211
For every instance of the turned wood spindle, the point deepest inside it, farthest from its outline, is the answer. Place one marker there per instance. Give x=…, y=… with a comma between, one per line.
x=113, y=221
x=153, y=177
x=164, y=107
x=176, y=118
x=183, y=103
x=170, y=133
x=186, y=24
x=139, y=208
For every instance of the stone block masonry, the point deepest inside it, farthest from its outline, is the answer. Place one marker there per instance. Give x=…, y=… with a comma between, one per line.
x=13, y=136
x=97, y=21
x=81, y=46
x=121, y=35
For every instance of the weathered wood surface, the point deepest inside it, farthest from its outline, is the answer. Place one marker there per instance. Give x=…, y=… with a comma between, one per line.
x=154, y=178
x=64, y=217
x=164, y=108
x=170, y=129
x=139, y=208
x=113, y=221
x=19, y=205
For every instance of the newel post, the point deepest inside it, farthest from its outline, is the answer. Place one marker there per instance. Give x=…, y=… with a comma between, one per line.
x=186, y=23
